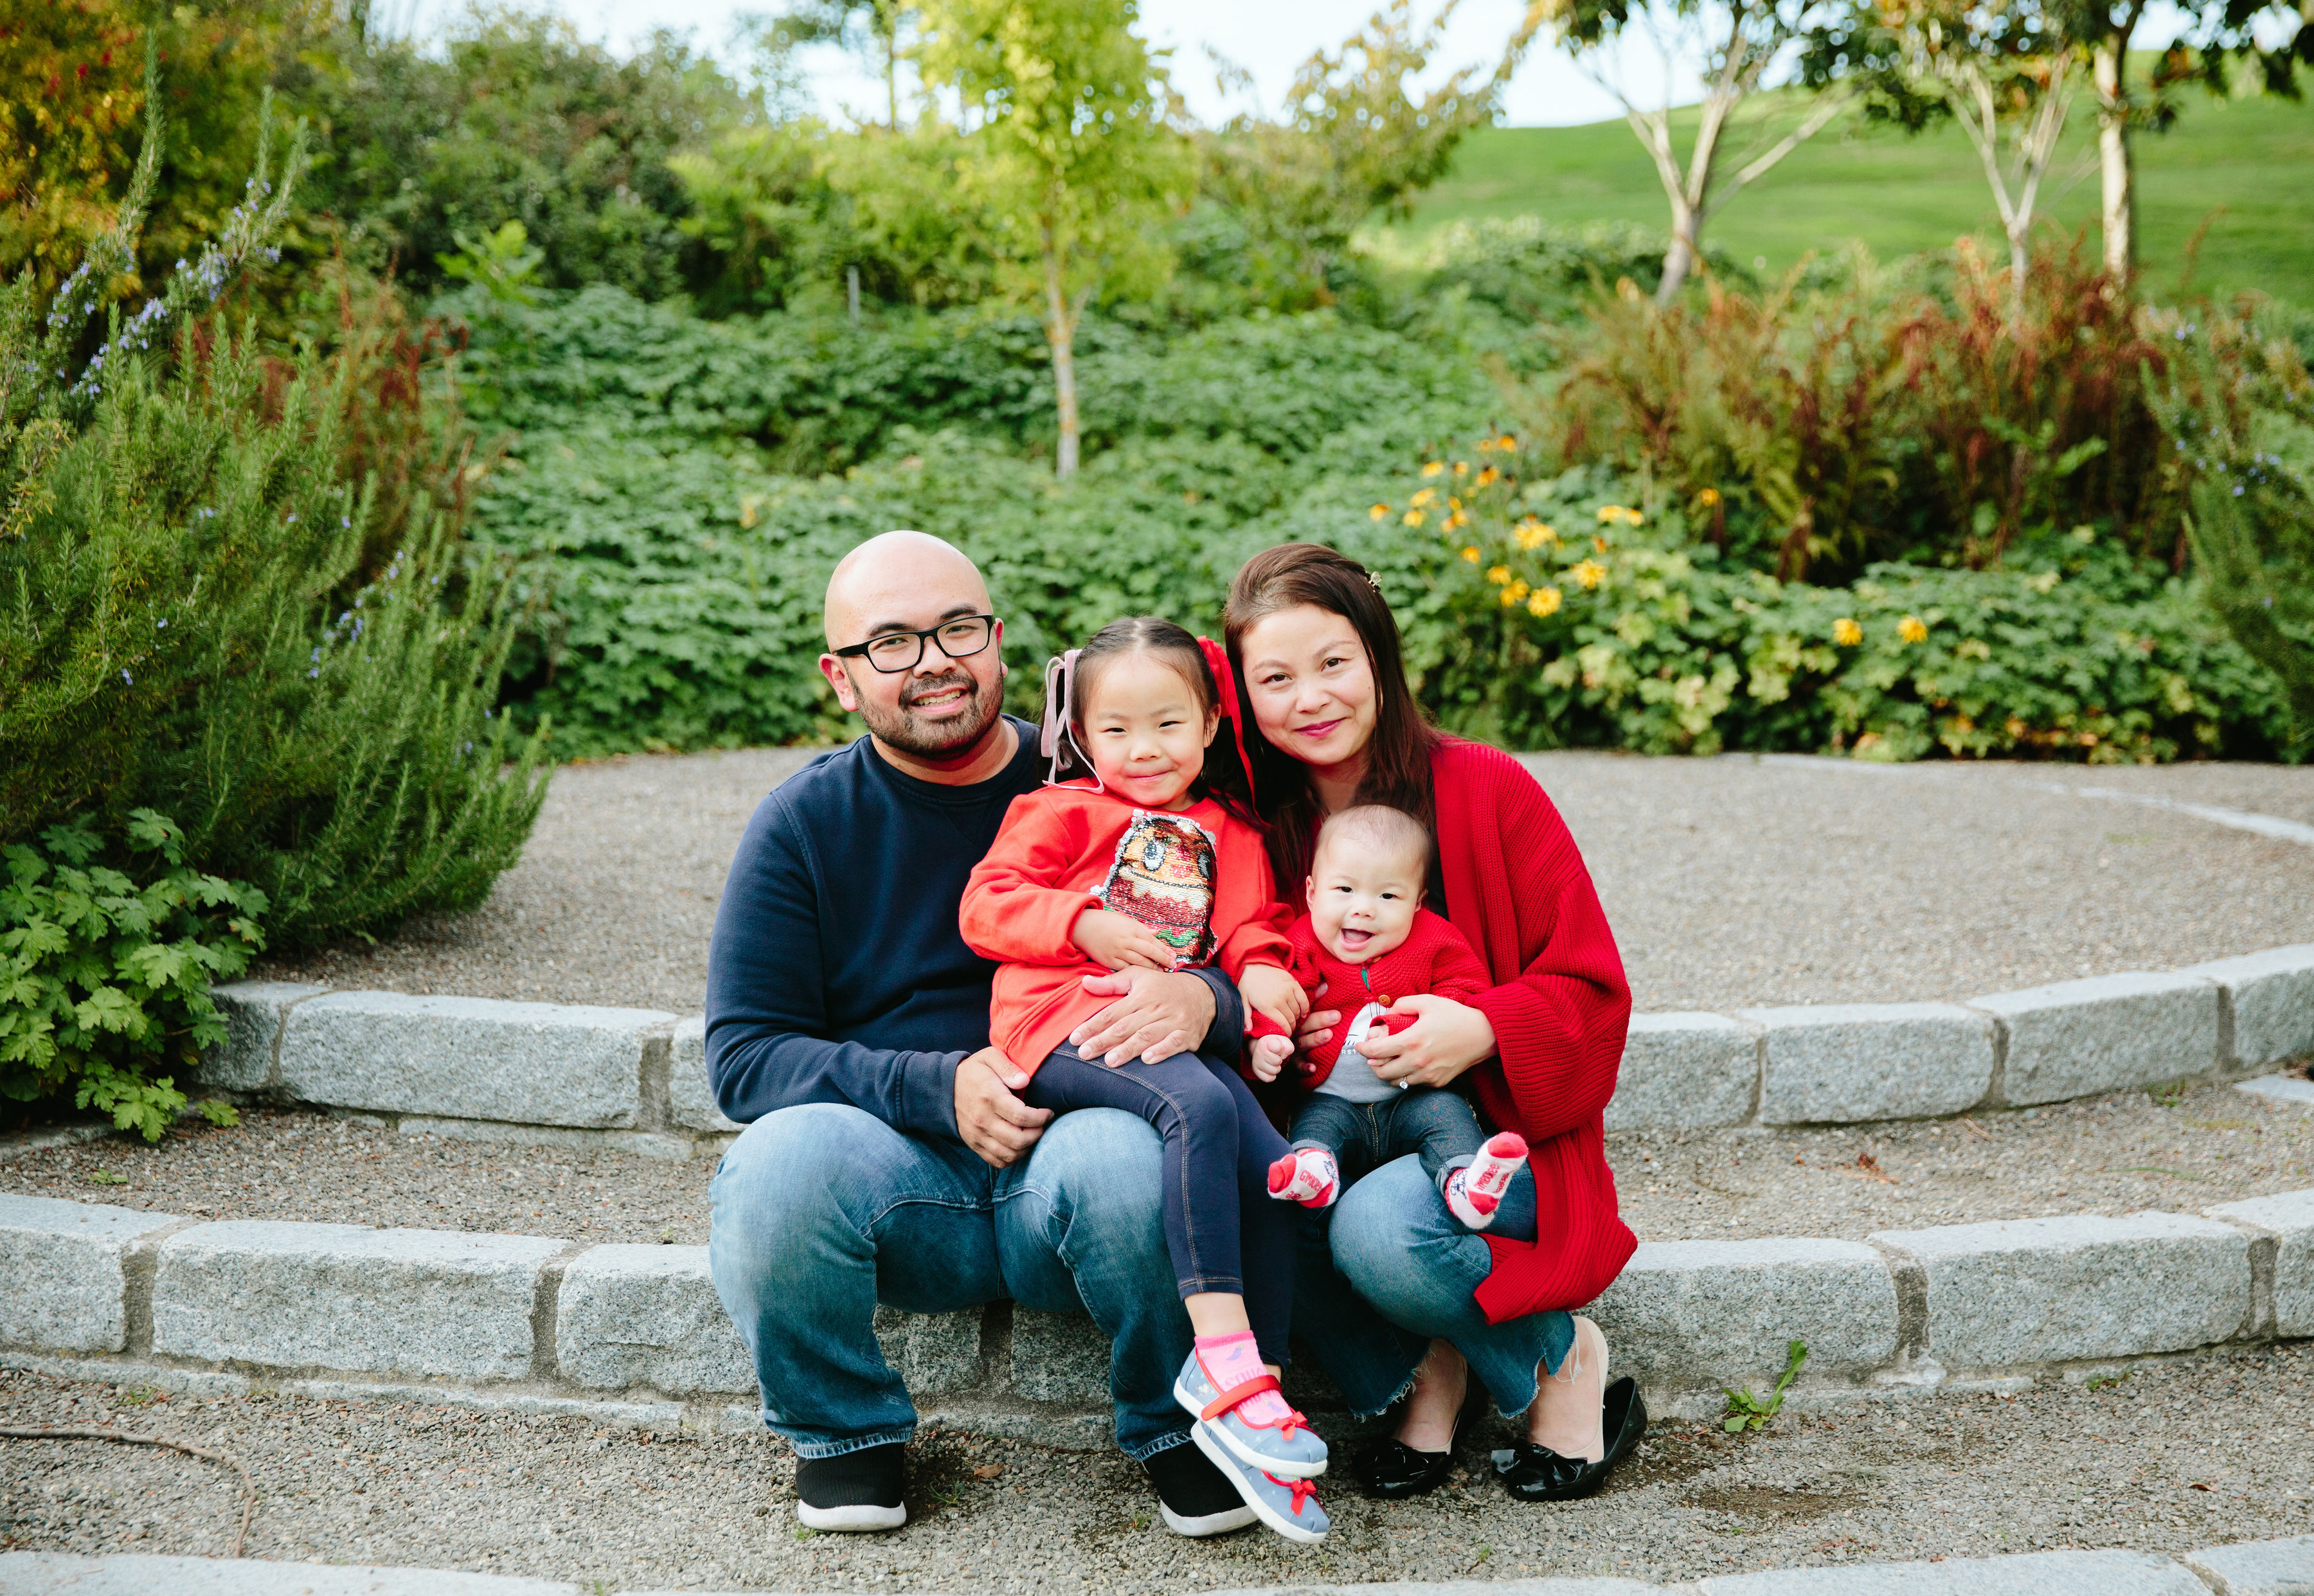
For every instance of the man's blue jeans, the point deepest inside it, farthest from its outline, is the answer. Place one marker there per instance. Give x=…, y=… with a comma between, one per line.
x=1388, y=1268
x=823, y=1211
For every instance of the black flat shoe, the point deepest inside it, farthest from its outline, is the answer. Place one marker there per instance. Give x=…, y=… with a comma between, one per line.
x=1534, y=1473
x=1392, y=1470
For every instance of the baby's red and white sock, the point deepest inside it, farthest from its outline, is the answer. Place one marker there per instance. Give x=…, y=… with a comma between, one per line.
x=1232, y=1361
x=1474, y=1192
x=1307, y=1176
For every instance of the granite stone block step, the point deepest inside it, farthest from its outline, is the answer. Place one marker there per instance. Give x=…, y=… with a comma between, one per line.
x=2032, y=1573
x=1845, y=1062
x=280, y=1295
x=475, y=1059
x=2036, y=1290
x=1689, y=1315
x=629, y=1315
x=61, y=1573
x=2259, y=1567
x=2081, y=1037
x=2271, y=996
x=65, y=1271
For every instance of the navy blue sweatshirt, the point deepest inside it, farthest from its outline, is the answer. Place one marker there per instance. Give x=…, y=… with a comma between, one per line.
x=837, y=973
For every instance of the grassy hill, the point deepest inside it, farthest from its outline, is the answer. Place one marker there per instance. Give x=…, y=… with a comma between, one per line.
x=2243, y=167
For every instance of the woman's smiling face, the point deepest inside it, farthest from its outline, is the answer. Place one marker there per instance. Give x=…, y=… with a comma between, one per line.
x=1312, y=685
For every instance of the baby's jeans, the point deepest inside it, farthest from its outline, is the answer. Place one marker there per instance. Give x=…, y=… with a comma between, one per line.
x=1436, y=1125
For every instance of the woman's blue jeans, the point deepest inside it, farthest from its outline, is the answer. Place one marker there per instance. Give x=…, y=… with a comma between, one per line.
x=1387, y=1269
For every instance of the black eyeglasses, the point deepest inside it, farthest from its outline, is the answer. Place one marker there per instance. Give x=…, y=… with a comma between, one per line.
x=897, y=651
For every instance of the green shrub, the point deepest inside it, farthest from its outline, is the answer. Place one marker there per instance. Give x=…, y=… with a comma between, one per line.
x=178, y=539
x=1582, y=618
x=105, y=969
x=2251, y=447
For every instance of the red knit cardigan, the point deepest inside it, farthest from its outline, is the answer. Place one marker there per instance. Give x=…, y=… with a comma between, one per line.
x=1517, y=889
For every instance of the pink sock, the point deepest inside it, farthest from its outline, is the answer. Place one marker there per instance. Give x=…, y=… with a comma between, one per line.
x=1230, y=1362
x=1307, y=1176
x=1475, y=1191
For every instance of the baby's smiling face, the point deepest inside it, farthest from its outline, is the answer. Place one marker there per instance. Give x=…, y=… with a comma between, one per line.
x=1362, y=897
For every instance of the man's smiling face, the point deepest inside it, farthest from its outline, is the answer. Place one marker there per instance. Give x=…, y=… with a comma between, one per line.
x=942, y=708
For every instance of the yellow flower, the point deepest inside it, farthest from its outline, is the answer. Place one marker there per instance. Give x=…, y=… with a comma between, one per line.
x=1471, y=554
x=1490, y=475
x=1411, y=518
x=1912, y=629
x=1422, y=497
x=1499, y=573
x=1588, y=574
x=1514, y=592
x=1433, y=468
x=1459, y=518
x=1846, y=632
x=1453, y=503
x=1532, y=533
x=1598, y=545
x=1461, y=468
x=1707, y=498
x=1545, y=601
x=1507, y=442
x=1380, y=512
x=1612, y=514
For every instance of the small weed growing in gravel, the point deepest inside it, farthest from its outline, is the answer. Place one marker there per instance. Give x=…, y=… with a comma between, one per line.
x=107, y=1178
x=2170, y=1093
x=137, y=1396
x=1747, y=1411
x=803, y=1532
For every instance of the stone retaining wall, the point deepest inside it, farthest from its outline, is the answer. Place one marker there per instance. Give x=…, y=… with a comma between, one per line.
x=640, y=1328
x=636, y=1079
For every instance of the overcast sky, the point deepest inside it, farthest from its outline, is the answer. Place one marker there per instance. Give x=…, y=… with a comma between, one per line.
x=1269, y=40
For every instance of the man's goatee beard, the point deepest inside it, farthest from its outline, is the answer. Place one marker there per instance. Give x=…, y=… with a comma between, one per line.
x=902, y=730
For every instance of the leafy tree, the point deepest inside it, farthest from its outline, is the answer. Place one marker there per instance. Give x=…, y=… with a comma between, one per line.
x=1356, y=138
x=520, y=121
x=1071, y=161
x=2006, y=70
x=73, y=115
x=1738, y=41
x=874, y=29
x=2213, y=33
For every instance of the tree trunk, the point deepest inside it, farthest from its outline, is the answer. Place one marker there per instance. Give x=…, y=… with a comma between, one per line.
x=2114, y=158
x=1060, y=337
x=1679, y=259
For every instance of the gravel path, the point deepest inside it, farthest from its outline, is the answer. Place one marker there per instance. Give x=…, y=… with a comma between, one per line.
x=1730, y=882
x=2172, y=1457
x=2103, y=1155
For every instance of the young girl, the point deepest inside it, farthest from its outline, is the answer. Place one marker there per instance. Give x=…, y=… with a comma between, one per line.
x=1140, y=851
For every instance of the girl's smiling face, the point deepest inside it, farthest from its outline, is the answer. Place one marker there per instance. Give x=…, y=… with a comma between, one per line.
x=1145, y=730
x=1312, y=685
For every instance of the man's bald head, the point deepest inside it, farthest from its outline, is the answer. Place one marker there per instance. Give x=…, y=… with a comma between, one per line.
x=944, y=710
x=895, y=576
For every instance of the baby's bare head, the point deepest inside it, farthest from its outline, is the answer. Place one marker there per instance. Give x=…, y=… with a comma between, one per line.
x=1366, y=880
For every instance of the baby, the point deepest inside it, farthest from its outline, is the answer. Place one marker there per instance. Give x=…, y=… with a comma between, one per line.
x=1368, y=937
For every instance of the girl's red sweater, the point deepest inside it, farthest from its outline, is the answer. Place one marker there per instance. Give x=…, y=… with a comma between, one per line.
x=1517, y=889
x=1065, y=850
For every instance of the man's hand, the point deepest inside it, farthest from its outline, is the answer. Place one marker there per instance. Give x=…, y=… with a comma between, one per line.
x=1157, y=1014
x=1315, y=1028
x=1119, y=941
x=991, y=1119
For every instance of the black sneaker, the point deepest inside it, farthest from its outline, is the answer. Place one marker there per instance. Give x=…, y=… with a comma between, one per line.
x=856, y=1491
x=1195, y=1498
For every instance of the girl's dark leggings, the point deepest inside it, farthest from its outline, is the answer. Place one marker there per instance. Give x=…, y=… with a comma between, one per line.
x=1224, y=1231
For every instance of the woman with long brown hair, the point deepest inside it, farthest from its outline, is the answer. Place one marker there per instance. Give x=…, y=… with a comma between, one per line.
x=1403, y=1307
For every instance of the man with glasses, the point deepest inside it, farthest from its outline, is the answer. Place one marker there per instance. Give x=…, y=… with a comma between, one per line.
x=888, y=1157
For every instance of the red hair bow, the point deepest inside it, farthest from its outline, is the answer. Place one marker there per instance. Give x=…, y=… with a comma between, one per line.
x=1226, y=681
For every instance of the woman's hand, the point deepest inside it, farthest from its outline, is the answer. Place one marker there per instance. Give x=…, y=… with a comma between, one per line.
x=1115, y=941
x=1445, y=1039
x=1274, y=992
